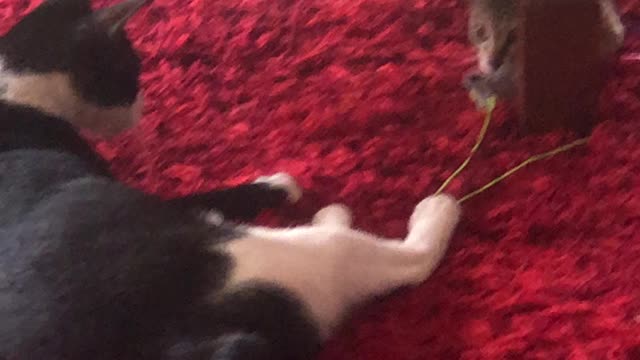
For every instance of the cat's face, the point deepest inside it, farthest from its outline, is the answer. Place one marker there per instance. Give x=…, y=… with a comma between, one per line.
x=492, y=30
x=75, y=63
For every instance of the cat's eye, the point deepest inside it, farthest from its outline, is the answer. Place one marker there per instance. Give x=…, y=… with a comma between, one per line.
x=480, y=33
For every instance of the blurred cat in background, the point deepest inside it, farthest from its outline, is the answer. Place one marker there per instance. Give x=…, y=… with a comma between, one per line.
x=493, y=26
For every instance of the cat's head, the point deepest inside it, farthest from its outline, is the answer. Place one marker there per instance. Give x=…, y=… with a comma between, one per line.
x=75, y=63
x=493, y=30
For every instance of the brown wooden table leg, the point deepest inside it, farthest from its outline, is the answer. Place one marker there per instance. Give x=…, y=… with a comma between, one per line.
x=561, y=72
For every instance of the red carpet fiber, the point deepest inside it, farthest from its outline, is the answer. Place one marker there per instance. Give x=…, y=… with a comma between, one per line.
x=361, y=101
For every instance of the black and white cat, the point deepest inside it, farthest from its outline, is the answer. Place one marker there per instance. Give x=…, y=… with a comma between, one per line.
x=92, y=269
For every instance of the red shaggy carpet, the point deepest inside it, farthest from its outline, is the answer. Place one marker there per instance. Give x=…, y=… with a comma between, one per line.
x=360, y=100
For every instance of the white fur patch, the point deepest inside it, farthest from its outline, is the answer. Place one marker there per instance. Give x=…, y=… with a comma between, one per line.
x=333, y=215
x=53, y=94
x=282, y=181
x=331, y=267
x=213, y=218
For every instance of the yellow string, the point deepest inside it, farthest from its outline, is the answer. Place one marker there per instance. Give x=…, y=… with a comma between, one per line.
x=530, y=160
x=489, y=106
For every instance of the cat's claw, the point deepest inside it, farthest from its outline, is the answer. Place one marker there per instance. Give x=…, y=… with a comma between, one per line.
x=282, y=181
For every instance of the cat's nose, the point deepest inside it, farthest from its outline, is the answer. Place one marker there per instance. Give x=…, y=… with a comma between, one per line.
x=495, y=63
x=471, y=79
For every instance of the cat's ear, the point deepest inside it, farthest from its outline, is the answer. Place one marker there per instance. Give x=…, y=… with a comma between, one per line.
x=115, y=17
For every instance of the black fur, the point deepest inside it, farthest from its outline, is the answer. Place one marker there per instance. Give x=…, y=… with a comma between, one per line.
x=23, y=128
x=229, y=347
x=243, y=202
x=88, y=277
x=92, y=269
x=63, y=36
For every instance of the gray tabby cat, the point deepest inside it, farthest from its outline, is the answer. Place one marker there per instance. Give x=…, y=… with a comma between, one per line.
x=93, y=269
x=492, y=31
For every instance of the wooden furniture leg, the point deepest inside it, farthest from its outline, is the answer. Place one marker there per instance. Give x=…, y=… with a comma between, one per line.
x=560, y=69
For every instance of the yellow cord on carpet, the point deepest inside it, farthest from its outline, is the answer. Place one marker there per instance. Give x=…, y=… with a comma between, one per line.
x=530, y=160
x=489, y=106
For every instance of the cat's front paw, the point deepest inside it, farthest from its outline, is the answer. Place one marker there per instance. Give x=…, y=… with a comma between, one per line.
x=282, y=181
x=443, y=207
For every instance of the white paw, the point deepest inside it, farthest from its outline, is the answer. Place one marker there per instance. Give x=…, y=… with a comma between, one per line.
x=213, y=217
x=335, y=214
x=282, y=181
x=430, y=229
x=441, y=208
